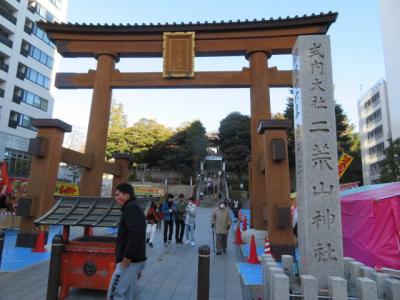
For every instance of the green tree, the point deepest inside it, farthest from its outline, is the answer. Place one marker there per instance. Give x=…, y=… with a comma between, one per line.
x=354, y=172
x=118, y=119
x=196, y=143
x=235, y=142
x=186, y=148
x=344, y=130
x=390, y=169
x=145, y=140
x=347, y=141
x=289, y=115
x=116, y=130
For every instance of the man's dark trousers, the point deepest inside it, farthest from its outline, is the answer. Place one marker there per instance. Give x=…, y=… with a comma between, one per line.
x=179, y=231
x=168, y=225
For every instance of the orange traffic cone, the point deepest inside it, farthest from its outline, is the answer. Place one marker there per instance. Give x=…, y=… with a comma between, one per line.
x=267, y=248
x=238, y=236
x=244, y=224
x=253, y=259
x=40, y=241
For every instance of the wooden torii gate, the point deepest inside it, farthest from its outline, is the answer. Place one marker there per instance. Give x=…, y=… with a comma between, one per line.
x=256, y=40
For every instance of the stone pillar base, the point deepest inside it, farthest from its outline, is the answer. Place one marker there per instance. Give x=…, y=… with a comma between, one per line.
x=279, y=250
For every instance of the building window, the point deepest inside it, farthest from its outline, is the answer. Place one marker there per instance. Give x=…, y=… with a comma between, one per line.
x=28, y=27
x=377, y=149
x=33, y=75
x=39, y=55
x=375, y=168
x=376, y=133
x=374, y=101
x=21, y=95
x=39, y=33
x=21, y=120
x=13, y=120
x=7, y=11
x=374, y=117
x=56, y=3
x=34, y=6
x=18, y=163
x=3, y=66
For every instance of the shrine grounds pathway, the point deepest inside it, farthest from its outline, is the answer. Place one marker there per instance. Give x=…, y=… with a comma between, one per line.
x=170, y=273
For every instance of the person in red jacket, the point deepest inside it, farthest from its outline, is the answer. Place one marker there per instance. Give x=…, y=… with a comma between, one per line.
x=152, y=219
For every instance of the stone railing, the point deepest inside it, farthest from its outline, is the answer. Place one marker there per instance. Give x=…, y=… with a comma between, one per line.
x=359, y=282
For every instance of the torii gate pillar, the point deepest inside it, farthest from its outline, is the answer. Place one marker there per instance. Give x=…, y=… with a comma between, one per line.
x=260, y=109
x=96, y=140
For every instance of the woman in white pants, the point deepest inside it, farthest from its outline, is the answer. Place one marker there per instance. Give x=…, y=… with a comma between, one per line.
x=153, y=219
x=190, y=221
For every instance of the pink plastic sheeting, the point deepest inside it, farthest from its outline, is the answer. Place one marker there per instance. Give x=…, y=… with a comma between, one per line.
x=371, y=225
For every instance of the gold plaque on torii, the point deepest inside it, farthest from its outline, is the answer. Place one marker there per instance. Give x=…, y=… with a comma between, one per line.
x=178, y=54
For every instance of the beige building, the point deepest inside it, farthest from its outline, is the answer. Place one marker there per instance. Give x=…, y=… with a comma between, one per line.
x=375, y=130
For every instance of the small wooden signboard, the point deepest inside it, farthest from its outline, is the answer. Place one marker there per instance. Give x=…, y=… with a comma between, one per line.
x=178, y=54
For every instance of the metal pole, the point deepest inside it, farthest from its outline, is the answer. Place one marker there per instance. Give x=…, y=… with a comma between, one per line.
x=55, y=268
x=203, y=276
x=2, y=237
x=213, y=236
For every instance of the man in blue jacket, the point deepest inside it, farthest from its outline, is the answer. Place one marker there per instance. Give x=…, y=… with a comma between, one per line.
x=169, y=211
x=130, y=248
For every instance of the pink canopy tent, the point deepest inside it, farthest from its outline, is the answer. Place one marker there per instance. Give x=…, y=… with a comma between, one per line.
x=371, y=224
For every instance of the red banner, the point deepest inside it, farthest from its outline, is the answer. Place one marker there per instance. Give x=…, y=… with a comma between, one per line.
x=5, y=185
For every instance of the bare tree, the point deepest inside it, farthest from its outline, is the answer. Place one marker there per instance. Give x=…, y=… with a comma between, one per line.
x=75, y=140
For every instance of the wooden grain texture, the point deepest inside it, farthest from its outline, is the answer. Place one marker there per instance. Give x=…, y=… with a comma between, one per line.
x=230, y=38
x=96, y=140
x=260, y=109
x=76, y=158
x=154, y=80
x=277, y=186
x=43, y=176
x=123, y=165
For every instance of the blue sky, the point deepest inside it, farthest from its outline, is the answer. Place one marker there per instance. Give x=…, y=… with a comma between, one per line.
x=357, y=57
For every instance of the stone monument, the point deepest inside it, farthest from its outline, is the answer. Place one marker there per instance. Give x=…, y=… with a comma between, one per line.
x=317, y=181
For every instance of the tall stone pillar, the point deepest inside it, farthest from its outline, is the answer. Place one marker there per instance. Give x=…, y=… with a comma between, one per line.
x=317, y=180
x=46, y=150
x=96, y=139
x=260, y=109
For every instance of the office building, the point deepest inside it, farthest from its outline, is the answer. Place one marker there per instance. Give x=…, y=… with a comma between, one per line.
x=375, y=130
x=28, y=61
x=390, y=25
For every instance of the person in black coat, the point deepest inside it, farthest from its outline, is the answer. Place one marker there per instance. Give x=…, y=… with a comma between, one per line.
x=130, y=249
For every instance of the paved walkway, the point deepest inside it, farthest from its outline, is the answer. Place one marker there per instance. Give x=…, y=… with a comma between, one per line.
x=171, y=273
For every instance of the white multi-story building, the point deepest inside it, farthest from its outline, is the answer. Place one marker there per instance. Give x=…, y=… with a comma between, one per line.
x=28, y=61
x=375, y=130
x=390, y=24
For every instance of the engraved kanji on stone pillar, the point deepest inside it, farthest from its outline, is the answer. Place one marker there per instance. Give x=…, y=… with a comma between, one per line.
x=319, y=219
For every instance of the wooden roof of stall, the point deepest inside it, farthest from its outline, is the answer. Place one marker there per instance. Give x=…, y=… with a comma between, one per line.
x=83, y=211
x=212, y=38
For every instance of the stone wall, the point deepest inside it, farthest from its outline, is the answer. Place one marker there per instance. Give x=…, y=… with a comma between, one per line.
x=359, y=282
